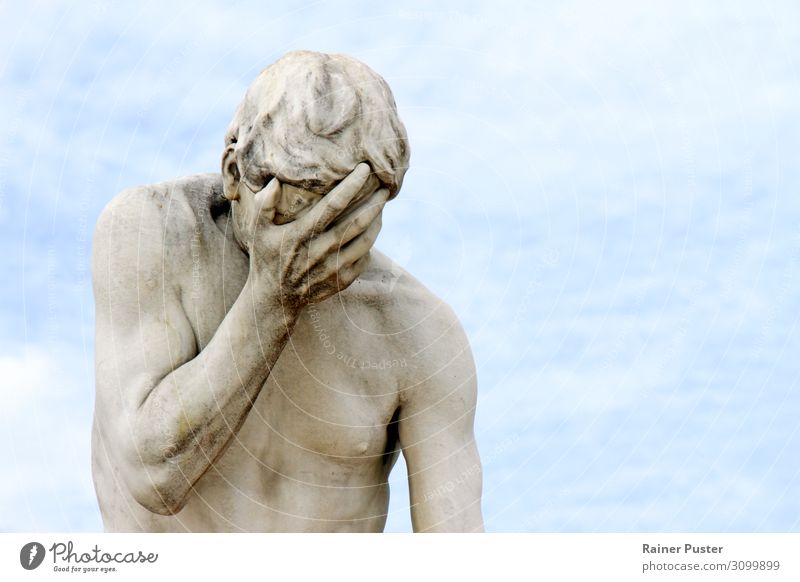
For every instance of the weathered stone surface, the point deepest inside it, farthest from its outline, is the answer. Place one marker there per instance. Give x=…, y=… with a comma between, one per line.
x=259, y=364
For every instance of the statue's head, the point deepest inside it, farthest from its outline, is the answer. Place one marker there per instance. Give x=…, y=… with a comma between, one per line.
x=308, y=119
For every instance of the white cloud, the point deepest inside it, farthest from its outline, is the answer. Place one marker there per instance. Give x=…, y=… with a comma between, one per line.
x=46, y=415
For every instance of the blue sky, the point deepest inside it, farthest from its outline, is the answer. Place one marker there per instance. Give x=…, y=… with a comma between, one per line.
x=606, y=195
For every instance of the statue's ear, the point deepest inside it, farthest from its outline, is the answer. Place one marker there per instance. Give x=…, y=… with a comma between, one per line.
x=230, y=173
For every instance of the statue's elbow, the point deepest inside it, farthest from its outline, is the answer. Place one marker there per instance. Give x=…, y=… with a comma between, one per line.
x=161, y=502
x=158, y=489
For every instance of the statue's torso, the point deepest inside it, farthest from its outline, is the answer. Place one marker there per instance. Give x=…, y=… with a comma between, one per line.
x=315, y=451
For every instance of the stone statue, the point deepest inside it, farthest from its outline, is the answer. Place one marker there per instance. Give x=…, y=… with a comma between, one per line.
x=259, y=364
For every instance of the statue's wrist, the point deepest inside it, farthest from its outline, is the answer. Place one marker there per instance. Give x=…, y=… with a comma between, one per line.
x=269, y=298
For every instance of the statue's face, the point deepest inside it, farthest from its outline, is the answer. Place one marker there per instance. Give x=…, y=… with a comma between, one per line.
x=255, y=196
x=293, y=203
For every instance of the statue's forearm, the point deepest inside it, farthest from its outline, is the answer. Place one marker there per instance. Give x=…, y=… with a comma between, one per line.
x=190, y=416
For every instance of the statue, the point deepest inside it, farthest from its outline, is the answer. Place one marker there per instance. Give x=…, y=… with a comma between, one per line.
x=259, y=365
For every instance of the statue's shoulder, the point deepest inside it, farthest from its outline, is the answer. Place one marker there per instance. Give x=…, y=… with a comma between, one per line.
x=169, y=208
x=142, y=223
x=181, y=201
x=404, y=302
x=414, y=320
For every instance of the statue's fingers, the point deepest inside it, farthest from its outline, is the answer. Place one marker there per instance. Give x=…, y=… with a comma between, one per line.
x=338, y=200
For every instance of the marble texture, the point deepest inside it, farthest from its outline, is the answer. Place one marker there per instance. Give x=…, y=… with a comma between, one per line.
x=259, y=364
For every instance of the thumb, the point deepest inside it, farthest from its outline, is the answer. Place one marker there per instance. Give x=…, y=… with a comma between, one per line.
x=266, y=201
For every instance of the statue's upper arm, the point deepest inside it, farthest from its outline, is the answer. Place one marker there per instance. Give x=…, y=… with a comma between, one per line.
x=142, y=332
x=436, y=433
x=440, y=404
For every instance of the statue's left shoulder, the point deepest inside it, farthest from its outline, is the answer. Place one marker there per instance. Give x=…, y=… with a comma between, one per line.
x=407, y=304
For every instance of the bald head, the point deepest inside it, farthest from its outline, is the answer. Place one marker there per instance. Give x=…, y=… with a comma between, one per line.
x=309, y=118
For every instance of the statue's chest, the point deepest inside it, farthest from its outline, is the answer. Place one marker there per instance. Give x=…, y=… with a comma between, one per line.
x=320, y=400
x=334, y=389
